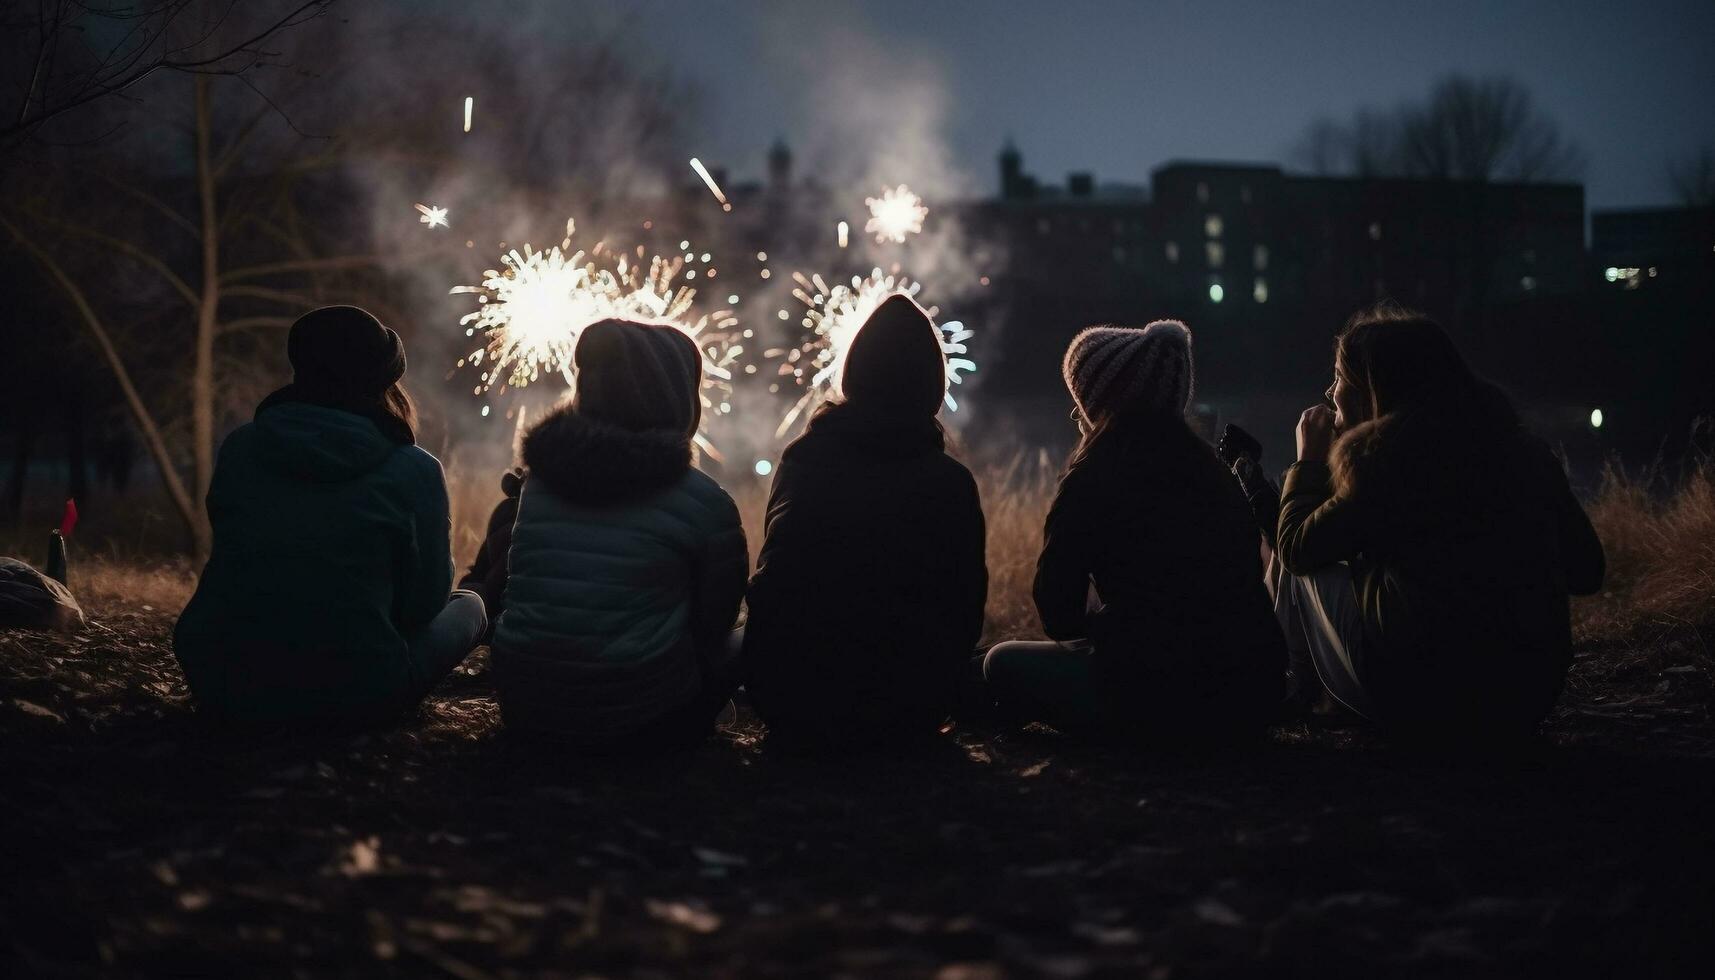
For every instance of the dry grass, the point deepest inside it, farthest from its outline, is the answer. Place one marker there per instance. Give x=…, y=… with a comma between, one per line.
x=1661, y=557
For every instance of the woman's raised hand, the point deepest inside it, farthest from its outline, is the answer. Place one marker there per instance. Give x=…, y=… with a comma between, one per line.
x=1315, y=433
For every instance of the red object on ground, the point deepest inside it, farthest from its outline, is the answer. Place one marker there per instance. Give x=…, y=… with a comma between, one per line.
x=69, y=521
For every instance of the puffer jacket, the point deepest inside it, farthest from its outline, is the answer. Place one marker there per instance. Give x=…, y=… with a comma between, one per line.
x=331, y=549
x=627, y=564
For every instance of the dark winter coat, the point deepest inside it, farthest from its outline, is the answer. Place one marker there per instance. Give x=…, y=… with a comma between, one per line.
x=869, y=591
x=1465, y=544
x=1186, y=642
x=331, y=548
x=626, y=566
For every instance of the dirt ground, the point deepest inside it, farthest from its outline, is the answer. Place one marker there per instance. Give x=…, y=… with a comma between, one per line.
x=137, y=842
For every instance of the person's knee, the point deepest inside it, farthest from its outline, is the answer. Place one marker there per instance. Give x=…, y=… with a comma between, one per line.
x=469, y=611
x=999, y=662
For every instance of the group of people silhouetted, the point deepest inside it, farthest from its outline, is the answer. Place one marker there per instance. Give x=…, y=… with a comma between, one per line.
x=1413, y=567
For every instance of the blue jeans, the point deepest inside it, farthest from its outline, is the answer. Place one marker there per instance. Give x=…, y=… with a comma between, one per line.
x=444, y=642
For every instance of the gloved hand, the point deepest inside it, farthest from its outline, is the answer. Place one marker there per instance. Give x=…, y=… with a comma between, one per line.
x=1261, y=493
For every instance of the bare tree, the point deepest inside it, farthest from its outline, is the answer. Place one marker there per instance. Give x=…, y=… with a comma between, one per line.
x=222, y=291
x=1693, y=178
x=63, y=55
x=1468, y=129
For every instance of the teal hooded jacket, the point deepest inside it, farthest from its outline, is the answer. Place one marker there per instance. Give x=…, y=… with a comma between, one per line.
x=331, y=550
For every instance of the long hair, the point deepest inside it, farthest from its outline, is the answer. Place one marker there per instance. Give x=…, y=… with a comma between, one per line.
x=396, y=403
x=1400, y=360
x=1124, y=432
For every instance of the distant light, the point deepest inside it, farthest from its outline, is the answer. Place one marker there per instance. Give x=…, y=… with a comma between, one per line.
x=762, y=256
x=763, y=467
x=705, y=257
x=685, y=244
x=1652, y=272
x=732, y=299
x=485, y=411
x=1375, y=231
x=785, y=315
x=1528, y=283
x=765, y=273
x=648, y=225
x=469, y=104
x=984, y=280
x=844, y=230
x=1216, y=293
x=1595, y=418
x=1612, y=275
x=1259, y=292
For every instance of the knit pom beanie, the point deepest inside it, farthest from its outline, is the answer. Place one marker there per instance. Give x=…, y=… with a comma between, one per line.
x=1114, y=370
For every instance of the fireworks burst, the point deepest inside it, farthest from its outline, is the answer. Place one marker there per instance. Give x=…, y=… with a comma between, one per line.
x=895, y=215
x=833, y=316
x=532, y=310
x=433, y=216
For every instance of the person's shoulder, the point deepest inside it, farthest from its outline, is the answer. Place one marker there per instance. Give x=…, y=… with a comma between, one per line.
x=416, y=466
x=702, y=491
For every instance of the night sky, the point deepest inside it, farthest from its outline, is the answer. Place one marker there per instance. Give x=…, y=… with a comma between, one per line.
x=1119, y=87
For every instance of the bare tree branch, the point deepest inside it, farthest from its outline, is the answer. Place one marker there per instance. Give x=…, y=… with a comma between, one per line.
x=140, y=412
x=135, y=56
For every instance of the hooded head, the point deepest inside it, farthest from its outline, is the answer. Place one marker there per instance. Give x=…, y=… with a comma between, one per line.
x=1115, y=372
x=639, y=377
x=895, y=366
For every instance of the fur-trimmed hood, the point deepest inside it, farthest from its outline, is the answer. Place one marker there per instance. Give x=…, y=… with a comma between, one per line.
x=1430, y=448
x=596, y=463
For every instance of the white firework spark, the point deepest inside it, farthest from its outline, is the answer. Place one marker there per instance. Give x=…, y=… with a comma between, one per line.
x=432, y=216
x=533, y=309
x=896, y=215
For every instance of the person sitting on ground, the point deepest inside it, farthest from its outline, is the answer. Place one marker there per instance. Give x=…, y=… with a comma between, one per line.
x=1177, y=645
x=868, y=596
x=327, y=595
x=627, y=564
x=1432, y=542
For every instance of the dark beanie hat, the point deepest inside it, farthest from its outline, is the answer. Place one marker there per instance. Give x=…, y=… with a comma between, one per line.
x=895, y=364
x=343, y=351
x=1113, y=370
x=639, y=376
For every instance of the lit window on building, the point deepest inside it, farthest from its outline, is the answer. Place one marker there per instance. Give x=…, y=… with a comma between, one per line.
x=1259, y=257
x=1173, y=252
x=1216, y=252
x=1212, y=226
x=1259, y=292
x=1375, y=231
x=1202, y=192
x=1528, y=283
x=1216, y=293
x=1626, y=276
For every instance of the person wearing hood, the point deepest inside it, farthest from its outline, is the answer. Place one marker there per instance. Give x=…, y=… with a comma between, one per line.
x=327, y=596
x=868, y=597
x=1150, y=583
x=1432, y=542
x=626, y=564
